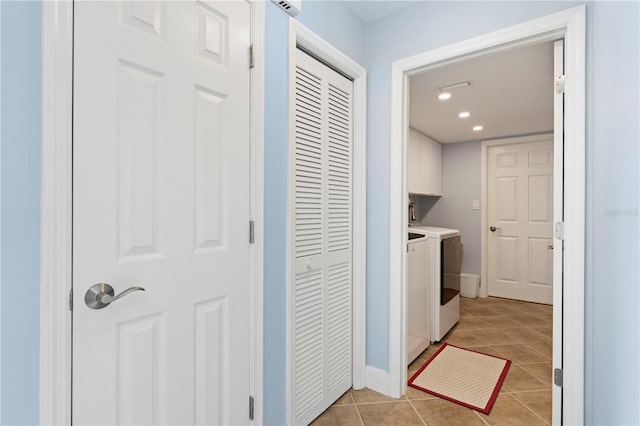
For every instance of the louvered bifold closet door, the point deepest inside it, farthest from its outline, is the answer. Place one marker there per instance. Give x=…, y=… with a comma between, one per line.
x=322, y=305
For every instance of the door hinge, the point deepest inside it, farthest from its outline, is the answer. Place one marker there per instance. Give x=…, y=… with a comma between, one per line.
x=252, y=227
x=559, y=230
x=71, y=300
x=557, y=377
x=252, y=56
x=560, y=84
x=251, y=403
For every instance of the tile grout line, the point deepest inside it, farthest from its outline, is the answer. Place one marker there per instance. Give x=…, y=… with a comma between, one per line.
x=481, y=417
x=529, y=391
x=360, y=416
x=519, y=363
x=380, y=402
x=530, y=409
x=541, y=353
x=418, y=414
x=537, y=332
x=357, y=409
x=542, y=379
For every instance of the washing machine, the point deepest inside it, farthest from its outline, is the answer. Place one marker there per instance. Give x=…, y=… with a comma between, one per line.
x=443, y=278
x=418, y=328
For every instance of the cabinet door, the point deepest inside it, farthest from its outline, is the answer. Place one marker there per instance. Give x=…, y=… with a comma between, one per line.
x=417, y=301
x=414, y=161
x=425, y=164
x=431, y=162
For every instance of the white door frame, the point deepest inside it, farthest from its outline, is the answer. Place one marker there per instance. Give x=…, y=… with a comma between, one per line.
x=301, y=36
x=56, y=211
x=570, y=25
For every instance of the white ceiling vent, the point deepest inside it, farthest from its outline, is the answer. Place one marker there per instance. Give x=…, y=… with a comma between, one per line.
x=292, y=7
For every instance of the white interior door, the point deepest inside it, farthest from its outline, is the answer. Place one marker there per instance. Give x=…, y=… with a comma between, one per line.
x=161, y=201
x=320, y=362
x=558, y=216
x=520, y=217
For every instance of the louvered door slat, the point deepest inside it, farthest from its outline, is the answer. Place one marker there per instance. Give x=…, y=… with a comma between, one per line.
x=308, y=317
x=339, y=167
x=308, y=164
x=339, y=322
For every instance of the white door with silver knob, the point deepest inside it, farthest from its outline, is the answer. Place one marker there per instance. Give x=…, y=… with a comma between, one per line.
x=161, y=203
x=520, y=214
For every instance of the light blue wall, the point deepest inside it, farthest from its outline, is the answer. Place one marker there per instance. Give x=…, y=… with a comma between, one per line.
x=336, y=24
x=460, y=186
x=20, y=201
x=0, y=213
x=613, y=137
x=275, y=201
x=612, y=178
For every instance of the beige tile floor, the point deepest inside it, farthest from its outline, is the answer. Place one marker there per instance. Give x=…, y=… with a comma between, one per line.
x=518, y=331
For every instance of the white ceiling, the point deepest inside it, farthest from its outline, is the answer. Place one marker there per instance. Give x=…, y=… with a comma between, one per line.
x=511, y=94
x=371, y=10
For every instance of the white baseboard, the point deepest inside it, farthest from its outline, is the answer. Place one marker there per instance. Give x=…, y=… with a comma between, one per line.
x=378, y=380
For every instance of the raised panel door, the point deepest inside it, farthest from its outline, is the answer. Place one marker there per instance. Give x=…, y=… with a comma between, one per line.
x=520, y=212
x=161, y=201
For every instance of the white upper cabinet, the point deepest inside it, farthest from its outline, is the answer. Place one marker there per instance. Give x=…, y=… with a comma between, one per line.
x=431, y=162
x=413, y=162
x=424, y=164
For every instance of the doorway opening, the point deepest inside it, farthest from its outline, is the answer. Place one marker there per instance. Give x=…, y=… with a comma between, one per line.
x=567, y=25
x=505, y=182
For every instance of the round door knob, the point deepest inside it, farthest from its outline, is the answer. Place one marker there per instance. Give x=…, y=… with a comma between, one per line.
x=493, y=229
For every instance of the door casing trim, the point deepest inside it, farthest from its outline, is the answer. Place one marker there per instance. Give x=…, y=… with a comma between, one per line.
x=56, y=251
x=569, y=24
x=299, y=35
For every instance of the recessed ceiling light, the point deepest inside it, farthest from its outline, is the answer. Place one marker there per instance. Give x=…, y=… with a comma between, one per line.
x=464, y=114
x=477, y=128
x=444, y=96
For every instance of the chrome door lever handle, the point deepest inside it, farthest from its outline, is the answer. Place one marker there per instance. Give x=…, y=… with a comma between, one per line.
x=100, y=295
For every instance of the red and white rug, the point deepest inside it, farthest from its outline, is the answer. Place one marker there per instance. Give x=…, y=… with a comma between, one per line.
x=468, y=378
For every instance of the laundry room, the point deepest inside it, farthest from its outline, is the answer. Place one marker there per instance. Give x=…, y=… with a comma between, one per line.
x=453, y=111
